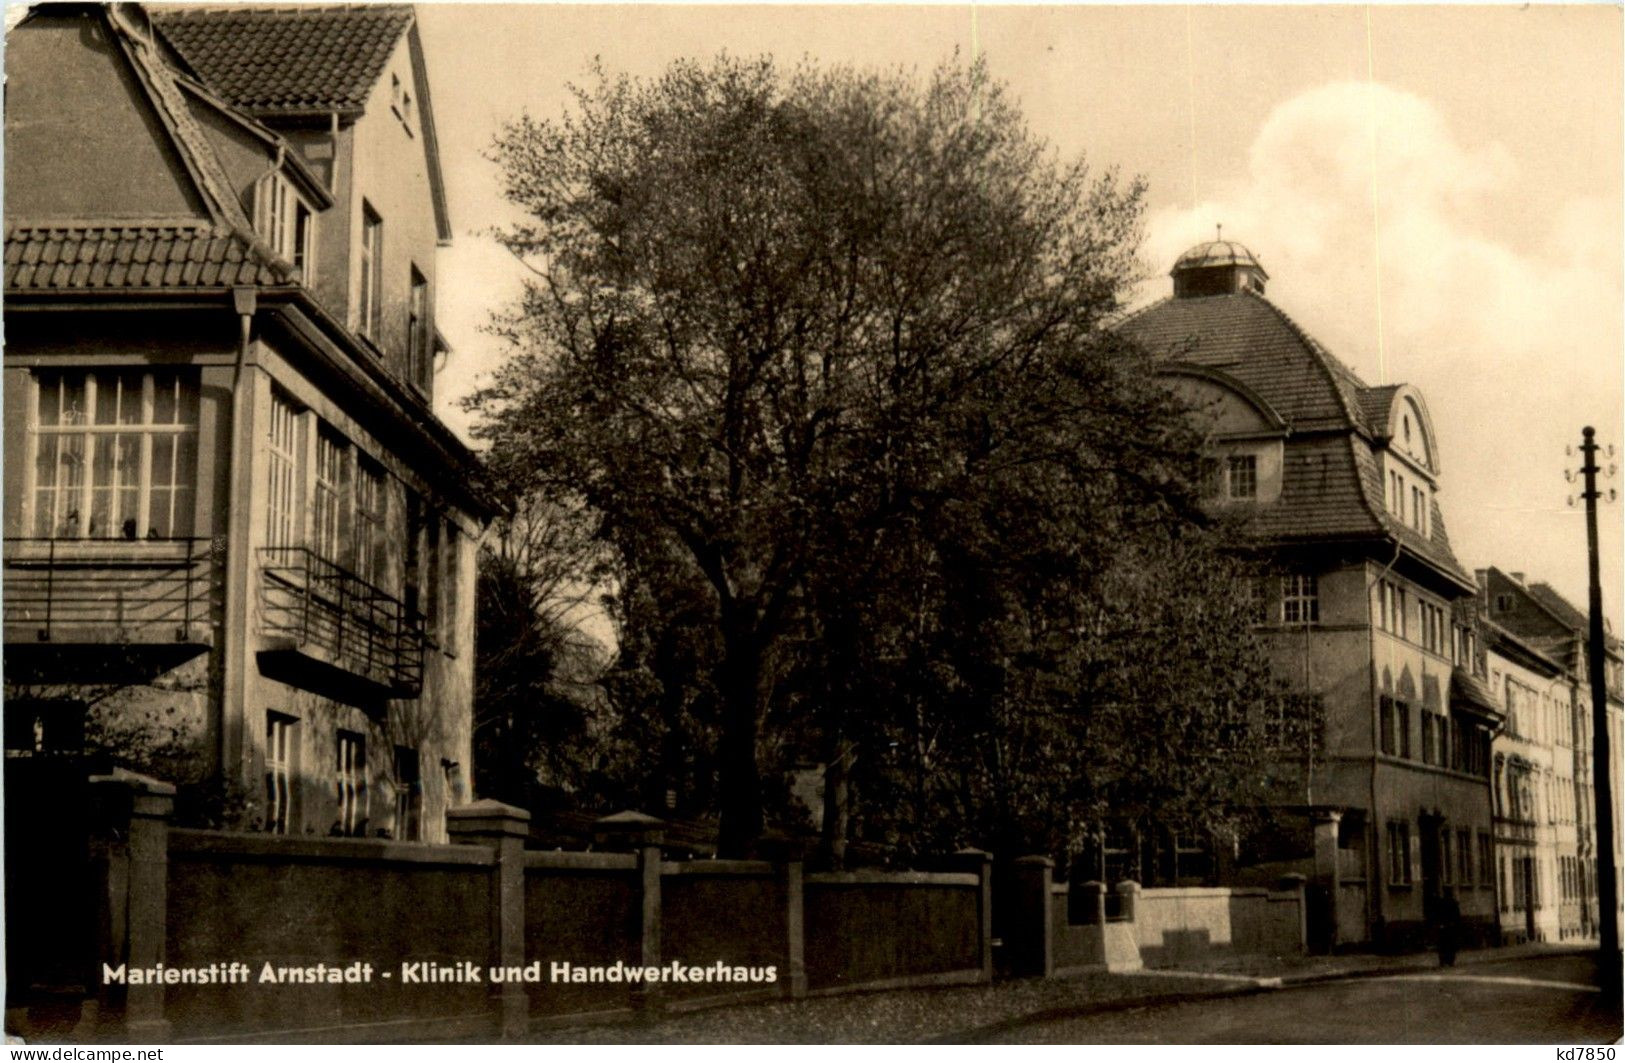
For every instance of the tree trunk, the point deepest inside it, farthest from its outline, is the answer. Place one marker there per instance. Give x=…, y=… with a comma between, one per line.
x=740, y=682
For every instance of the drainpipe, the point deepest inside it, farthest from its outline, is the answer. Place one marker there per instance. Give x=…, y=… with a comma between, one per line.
x=234, y=663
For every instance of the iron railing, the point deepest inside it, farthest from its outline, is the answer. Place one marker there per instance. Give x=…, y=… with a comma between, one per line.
x=347, y=621
x=110, y=590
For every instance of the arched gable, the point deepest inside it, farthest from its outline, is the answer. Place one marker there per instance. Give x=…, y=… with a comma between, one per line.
x=1410, y=430
x=1226, y=407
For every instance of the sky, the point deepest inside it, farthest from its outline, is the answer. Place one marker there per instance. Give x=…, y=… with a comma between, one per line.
x=1435, y=191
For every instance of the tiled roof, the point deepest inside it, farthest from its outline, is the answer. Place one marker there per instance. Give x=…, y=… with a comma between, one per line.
x=1332, y=484
x=1254, y=341
x=1558, y=606
x=268, y=59
x=102, y=257
x=1375, y=403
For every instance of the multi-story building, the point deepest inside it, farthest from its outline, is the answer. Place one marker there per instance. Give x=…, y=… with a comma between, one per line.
x=1543, y=619
x=1532, y=784
x=239, y=546
x=1338, y=483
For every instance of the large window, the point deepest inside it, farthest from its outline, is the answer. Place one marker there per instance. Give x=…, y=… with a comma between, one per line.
x=369, y=522
x=115, y=455
x=282, y=496
x=1399, y=853
x=330, y=533
x=351, y=776
x=1464, y=857
x=1395, y=721
x=279, y=773
x=1300, y=599
x=1242, y=476
x=371, y=302
x=286, y=222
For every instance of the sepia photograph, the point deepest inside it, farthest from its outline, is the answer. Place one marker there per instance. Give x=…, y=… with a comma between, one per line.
x=657, y=523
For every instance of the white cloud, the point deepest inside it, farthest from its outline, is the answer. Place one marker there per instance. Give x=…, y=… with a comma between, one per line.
x=1505, y=310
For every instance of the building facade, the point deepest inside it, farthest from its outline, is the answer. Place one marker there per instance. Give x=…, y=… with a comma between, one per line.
x=1338, y=484
x=239, y=546
x=1543, y=621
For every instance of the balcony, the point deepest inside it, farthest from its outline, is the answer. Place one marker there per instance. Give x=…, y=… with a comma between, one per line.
x=80, y=607
x=326, y=629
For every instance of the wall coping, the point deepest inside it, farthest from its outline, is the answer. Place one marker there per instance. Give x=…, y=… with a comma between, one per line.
x=226, y=844
x=894, y=878
x=745, y=868
x=571, y=860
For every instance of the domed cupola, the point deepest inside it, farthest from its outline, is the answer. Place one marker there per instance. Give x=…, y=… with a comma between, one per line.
x=1217, y=267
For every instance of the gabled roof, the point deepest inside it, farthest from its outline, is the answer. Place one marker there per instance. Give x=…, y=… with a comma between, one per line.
x=288, y=59
x=1332, y=483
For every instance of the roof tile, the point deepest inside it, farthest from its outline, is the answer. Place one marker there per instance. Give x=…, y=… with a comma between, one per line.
x=1332, y=483
x=269, y=59
x=129, y=256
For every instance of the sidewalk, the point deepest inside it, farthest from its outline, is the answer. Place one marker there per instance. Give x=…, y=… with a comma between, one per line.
x=979, y=1013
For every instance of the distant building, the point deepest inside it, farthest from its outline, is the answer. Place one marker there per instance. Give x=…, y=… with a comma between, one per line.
x=1542, y=619
x=1339, y=484
x=239, y=546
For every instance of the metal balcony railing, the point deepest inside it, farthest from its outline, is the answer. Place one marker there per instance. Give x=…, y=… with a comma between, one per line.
x=110, y=590
x=329, y=612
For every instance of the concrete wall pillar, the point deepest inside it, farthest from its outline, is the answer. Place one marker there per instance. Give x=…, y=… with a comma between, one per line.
x=132, y=846
x=980, y=863
x=791, y=856
x=1128, y=894
x=1298, y=884
x=503, y=828
x=1029, y=933
x=643, y=835
x=1328, y=870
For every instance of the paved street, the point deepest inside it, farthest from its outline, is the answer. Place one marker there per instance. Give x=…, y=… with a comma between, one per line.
x=1526, y=1001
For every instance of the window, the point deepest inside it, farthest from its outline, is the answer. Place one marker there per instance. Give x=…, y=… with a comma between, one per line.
x=1432, y=618
x=282, y=523
x=1446, y=858
x=1506, y=896
x=286, y=221
x=1256, y=607
x=1300, y=601
x=1402, y=728
x=1503, y=603
x=1399, y=853
x=1419, y=510
x=1430, y=738
x=1486, y=858
x=371, y=302
x=137, y=433
x=330, y=533
x=279, y=773
x=1391, y=608
x=408, y=794
x=1242, y=476
x=1464, y=857
x=370, y=543
x=1385, y=712
x=351, y=776
x=417, y=333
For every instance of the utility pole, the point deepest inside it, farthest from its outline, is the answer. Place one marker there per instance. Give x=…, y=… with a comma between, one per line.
x=1602, y=770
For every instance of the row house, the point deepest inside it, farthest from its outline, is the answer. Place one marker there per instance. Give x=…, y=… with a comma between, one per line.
x=1544, y=762
x=1338, y=484
x=239, y=545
